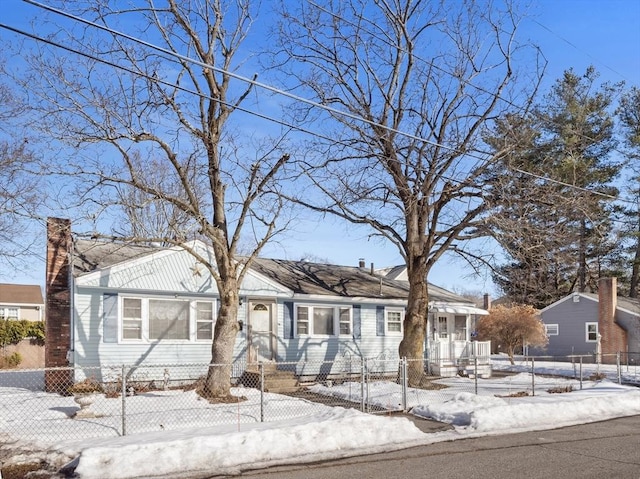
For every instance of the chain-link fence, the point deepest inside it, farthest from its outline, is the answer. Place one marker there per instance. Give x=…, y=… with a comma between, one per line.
x=86, y=402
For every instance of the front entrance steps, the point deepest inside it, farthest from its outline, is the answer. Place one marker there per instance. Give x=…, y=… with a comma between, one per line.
x=275, y=380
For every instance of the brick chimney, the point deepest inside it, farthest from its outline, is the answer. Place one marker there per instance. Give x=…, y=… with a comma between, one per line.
x=58, y=305
x=613, y=336
x=486, y=301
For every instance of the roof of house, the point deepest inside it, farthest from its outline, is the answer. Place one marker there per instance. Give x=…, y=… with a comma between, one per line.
x=631, y=305
x=299, y=276
x=91, y=255
x=20, y=294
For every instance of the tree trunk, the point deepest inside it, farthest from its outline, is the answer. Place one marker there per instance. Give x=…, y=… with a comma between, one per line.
x=218, y=381
x=415, y=325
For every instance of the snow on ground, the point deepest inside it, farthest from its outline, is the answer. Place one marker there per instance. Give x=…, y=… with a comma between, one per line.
x=172, y=444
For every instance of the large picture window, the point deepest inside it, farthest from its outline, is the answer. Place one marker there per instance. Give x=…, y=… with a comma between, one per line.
x=168, y=319
x=157, y=319
x=323, y=320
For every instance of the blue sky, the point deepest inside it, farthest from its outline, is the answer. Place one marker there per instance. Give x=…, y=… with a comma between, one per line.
x=570, y=33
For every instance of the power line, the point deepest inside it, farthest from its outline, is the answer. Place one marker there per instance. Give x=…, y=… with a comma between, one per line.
x=253, y=82
x=578, y=49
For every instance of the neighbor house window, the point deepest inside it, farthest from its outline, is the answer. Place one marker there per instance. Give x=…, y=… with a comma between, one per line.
x=168, y=319
x=132, y=318
x=9, y=313
x=592, y=332
x=323, y=320
x=394, y=318
x=204, y=320
x=551, y=329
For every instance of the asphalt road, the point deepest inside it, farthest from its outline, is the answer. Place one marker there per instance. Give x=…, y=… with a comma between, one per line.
x=602, y=450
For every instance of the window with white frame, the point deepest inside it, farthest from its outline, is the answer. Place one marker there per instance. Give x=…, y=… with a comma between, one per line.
x=591, y=330
x=441, y=328
x=11, y=313
x=321, y=320
x=132, y=318
x=552, y=329
x=204, y=320
x=158, y=319
x=393, y=320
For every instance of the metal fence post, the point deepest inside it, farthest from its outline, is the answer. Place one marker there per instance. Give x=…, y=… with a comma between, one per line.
x=533, y=376
x=580, y=373
x=618, y=367
x=261, y=369
x=368, y=384
x=404, y=384
x=363, y=368
x=124, y=401
x=475, y=373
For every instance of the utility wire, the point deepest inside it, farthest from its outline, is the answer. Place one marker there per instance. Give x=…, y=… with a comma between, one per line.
x=462, y=80
x=296, y=97
x=250, y=81
x=255, y=83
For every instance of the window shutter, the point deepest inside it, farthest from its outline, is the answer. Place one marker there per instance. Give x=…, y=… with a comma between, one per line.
x=110, y=318
x=380, y=321
x=357, y=325
x=288, y=319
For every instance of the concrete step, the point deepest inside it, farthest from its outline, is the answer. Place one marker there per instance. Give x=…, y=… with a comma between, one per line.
x=274, y=381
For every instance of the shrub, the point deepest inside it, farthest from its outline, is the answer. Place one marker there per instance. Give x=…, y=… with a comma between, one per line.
x=86, y=386
x=10, y=361
x=12, y=332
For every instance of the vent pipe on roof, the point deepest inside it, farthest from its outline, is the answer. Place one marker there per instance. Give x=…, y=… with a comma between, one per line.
x=373, y=271
x=361, y=263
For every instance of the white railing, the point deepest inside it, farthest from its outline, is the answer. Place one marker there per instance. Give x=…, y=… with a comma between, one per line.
x=450, y=352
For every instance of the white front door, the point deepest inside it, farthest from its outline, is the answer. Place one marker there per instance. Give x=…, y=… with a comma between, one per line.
x=261, y=331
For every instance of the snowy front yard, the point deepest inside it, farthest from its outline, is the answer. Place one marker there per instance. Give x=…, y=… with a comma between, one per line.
x=164, y=437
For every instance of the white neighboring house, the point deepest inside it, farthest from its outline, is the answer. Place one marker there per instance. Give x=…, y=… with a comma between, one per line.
x=21, y=301
x=155, y=306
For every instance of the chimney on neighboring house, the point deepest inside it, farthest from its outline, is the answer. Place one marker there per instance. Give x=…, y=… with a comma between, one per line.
x=486, y=301
x=58, y=305
x=613, y=337
x=361, y=263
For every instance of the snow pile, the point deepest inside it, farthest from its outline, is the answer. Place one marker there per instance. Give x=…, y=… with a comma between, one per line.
x=336, y=433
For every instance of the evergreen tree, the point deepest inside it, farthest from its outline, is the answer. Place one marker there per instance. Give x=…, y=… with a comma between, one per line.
x=629, y=115
x=552, y=196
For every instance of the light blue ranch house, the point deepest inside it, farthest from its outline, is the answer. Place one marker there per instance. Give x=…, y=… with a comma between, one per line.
x=147, y=305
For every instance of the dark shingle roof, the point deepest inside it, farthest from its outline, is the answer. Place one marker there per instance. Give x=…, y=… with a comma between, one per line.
x=317, y=278
x=348, y=281
x=299, y=276
x=91, y=255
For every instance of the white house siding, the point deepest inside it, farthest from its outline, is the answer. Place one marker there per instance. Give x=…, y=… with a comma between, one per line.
x=90, y=351
x=338, y=355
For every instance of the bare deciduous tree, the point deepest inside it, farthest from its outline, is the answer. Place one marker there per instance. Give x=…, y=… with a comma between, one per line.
x=153, y=135
x=20, y=196
x=411, y=86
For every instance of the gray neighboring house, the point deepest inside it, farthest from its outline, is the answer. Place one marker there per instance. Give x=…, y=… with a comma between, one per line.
x=575, y=323
x=21, y=301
